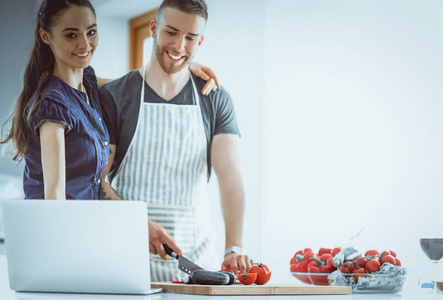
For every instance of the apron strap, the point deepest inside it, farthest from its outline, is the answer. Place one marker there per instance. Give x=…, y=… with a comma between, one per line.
x=195, y=92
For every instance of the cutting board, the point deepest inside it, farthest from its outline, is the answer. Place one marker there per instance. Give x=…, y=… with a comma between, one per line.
x=240, y=289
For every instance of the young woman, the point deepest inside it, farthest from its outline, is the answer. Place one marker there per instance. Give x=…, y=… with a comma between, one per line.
x=57, y=124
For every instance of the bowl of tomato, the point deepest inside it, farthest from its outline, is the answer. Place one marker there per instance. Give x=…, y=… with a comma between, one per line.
x=313, y=268
x=388, y=278
x=372, y=272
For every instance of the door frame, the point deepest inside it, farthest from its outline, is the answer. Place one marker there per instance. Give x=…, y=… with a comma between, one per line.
x=139, y=31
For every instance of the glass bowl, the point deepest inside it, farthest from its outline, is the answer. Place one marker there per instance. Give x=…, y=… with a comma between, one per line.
x=371, y=282
x=312, y=278
x=366, y=283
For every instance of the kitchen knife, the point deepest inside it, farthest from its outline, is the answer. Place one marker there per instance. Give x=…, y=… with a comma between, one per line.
x=184, y=264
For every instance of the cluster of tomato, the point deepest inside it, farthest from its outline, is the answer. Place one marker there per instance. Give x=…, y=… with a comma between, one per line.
x=369, y=263
x=258, y=274
x=309, y=267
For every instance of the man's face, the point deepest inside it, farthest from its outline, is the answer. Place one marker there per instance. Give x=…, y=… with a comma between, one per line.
x=176, y=39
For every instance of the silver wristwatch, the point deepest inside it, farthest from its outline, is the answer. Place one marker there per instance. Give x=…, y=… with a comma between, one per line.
x=235, y=249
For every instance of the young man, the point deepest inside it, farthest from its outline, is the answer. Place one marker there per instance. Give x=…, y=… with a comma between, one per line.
x=164, y=135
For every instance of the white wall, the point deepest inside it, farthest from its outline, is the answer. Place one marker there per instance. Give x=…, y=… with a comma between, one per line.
x=352, y=128
x=111, y=59
x=232, y=48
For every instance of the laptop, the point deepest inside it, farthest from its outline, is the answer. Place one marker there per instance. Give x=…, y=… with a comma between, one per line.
x=77, y=246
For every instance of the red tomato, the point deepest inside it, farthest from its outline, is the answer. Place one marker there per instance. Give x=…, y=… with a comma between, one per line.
x=388, y=259
x=347, y=267
x=335, y=251
x=362, y=262
x=344, y=267
x=373, y=266
x=247, y=278
x=397, y=262
x=393, y=253
x=293, y=268
x=352, y=267
x=307, y=250
x=372, y=253
x=263, y=273
x=384, y=253
x=357, y=273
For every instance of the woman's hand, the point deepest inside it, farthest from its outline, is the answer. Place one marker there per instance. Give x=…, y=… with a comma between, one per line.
x=207, y=74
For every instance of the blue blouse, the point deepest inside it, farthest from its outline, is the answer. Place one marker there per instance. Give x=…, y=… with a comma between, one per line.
x=86, y=139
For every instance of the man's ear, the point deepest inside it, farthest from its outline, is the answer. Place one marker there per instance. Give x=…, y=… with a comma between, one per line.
x=201, y=40
x=153, y=28
x=45, y=36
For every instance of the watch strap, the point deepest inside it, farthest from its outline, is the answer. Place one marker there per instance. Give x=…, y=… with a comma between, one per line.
x=235, y=249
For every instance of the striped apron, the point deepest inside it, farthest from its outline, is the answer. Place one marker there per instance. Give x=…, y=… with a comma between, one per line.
x=166, y=166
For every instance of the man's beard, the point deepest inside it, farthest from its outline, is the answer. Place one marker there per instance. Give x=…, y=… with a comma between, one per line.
x=168, y=67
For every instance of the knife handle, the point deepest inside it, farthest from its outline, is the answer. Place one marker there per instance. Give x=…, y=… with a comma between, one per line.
x=169, y=251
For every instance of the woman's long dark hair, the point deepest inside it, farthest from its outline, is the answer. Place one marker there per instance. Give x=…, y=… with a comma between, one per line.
x=38, y=70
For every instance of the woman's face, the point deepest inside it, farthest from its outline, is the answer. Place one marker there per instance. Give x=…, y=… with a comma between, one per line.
x=73, y=37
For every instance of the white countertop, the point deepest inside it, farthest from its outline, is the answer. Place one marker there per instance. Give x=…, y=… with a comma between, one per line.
x=413, y=293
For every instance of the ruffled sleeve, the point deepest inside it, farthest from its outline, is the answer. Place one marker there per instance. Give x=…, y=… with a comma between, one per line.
x=51, y=111
x=89, y=75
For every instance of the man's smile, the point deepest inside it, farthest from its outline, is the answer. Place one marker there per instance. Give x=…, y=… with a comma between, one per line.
x=175, y=57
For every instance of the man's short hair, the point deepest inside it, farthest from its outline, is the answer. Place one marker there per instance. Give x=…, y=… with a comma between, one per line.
x=192, y=7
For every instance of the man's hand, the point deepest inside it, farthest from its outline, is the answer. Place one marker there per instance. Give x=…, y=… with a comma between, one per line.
x=237, y=263
x=159, y=236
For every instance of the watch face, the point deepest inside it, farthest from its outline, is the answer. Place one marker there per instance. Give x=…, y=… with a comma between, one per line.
x=237, y=250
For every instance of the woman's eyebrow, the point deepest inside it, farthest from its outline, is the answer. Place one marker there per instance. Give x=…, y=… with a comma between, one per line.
x=76, y=29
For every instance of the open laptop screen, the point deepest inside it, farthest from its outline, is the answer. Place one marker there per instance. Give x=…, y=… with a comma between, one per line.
x=77, y=246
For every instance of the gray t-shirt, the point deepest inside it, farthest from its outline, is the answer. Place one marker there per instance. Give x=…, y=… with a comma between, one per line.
x=120, y=102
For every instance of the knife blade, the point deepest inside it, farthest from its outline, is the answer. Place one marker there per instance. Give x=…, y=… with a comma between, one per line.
x=184, y=264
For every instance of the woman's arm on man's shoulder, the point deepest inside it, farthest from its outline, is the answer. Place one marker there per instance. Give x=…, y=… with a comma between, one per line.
x=102, y=81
